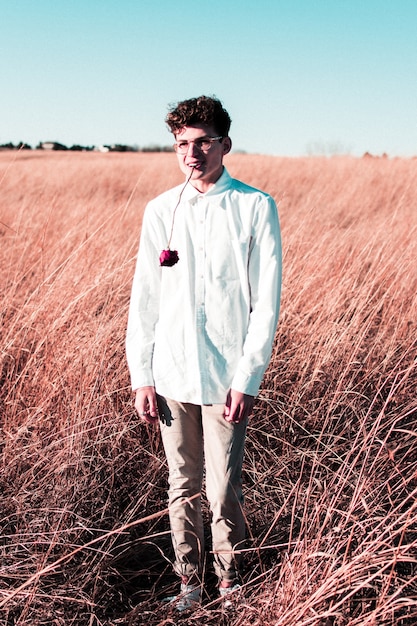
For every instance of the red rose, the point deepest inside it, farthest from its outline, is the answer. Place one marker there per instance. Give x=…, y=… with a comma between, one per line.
x=168, y=257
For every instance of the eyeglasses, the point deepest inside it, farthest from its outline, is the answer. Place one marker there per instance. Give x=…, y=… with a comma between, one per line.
x=202, y=143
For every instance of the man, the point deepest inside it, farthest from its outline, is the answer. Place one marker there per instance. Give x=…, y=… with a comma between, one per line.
x=202, y=319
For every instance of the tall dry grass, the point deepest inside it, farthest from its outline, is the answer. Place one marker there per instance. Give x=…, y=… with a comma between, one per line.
x=330, y=471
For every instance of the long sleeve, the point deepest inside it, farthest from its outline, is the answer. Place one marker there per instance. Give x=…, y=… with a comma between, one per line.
x=144, y=307
x=265, y=275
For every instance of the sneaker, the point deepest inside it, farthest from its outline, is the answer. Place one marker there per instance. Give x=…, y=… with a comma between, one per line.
x=230, y=595
x=188, y=598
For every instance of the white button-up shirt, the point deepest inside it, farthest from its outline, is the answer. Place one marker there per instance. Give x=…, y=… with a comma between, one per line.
x=206, y=324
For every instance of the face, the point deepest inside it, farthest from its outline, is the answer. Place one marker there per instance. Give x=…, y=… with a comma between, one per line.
x=207, y=166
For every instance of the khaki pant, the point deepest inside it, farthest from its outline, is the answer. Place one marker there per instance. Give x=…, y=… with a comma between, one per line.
x=195, y=437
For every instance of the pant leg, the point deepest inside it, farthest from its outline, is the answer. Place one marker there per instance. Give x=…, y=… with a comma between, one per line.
x=224, y=448
x=182, y=437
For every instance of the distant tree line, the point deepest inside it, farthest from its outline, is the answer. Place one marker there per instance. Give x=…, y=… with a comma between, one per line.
x=18, y=146
x=55, y=145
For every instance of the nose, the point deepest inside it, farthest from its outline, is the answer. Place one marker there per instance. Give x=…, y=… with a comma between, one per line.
x=192, y=149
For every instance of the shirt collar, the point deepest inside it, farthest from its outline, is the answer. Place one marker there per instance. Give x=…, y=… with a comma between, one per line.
x=221, y=185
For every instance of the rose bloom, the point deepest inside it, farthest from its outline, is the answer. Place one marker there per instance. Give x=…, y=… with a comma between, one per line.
x=168, y=257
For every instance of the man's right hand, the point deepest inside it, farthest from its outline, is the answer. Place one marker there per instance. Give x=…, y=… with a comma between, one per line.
x=145, y=404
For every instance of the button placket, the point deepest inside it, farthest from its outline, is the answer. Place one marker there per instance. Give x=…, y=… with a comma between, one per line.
x=200, y=269
x=201, y=207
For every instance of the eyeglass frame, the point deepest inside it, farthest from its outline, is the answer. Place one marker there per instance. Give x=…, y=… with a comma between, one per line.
x=209, y=140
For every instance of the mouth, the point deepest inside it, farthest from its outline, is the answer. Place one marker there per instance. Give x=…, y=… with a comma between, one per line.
x=195, y=165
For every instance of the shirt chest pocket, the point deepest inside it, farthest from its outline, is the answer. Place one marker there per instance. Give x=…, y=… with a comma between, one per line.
x=229, y=259
x=227, y=242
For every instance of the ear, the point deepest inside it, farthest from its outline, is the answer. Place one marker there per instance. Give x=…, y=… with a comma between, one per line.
x=227, y=145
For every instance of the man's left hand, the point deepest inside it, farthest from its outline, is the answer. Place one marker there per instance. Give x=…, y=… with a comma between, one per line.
x=238, y=406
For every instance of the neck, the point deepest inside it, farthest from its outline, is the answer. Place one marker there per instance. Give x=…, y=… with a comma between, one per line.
x=203, y=186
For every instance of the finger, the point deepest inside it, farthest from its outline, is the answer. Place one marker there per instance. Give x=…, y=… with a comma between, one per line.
x=149, y=419
x=141, y=407
x=232, y=414
x=147, y=409
x=229, y=413
x=226, y=409
x=238, y=417
x=153, y=408
x=145, y=414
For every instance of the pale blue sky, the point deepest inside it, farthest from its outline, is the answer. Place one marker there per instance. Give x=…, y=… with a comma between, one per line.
x=296, y=75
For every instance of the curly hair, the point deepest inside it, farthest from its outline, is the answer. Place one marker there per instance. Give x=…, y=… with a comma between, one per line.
x=202, y=110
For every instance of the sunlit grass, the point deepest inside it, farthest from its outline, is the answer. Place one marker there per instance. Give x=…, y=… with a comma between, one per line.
x=330, y=469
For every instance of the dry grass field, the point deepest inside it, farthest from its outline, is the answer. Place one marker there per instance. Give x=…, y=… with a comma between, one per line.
x=330, y=474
